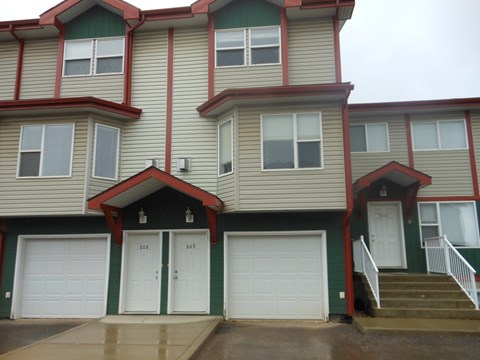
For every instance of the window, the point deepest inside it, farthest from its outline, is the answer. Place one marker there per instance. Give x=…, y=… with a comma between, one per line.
x=106, y=152
x=225, y=148
x=264, y=46
x=458, y=220
x=98, y=56
x=292, y=141
x=46, y=150
x=435, y=135
x=369, y=138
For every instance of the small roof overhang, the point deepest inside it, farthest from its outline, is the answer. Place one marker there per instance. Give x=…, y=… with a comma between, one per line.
x=68, y=106
x=271, y=95
x=395, y=172
x=146, y=183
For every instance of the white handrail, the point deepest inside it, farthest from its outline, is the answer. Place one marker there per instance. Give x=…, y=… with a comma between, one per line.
x=364, y=264
x=443, y=258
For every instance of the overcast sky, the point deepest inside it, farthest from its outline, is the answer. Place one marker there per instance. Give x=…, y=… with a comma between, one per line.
x=391, y=50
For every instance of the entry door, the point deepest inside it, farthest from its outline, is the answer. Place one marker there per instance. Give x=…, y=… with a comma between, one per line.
x=142, y=267
x=386, y=234
x=189, y=272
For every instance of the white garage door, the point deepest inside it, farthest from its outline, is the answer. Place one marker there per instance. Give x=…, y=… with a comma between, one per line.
x=63, y=278
x=276, y=277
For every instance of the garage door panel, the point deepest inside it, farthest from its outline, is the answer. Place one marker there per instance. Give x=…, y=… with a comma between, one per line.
x=262, y=264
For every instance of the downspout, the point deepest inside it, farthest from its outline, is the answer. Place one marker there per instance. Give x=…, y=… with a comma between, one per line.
x=3, y=230
x=21, y=50
x=127, y=83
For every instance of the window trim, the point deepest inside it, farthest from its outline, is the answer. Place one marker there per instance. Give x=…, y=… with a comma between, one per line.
x=93, y=57
x=42, y=150
x=117, y=159
x=437, y=128
x=250, y=46
x=439, y=223
x=295, y=141
x=218, y=149
x=244, y=30
x=365, y=125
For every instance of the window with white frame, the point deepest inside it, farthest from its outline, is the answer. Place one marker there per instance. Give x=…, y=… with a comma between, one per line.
x=93, y=56
x=46, y=150
x=225, y=148
x=263, y=46
x=457, y=220
x=438, y=135
x=106, y=152
x=369, y=138
x=292, y=141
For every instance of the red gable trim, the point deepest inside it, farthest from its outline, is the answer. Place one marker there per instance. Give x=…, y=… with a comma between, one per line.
x=175, y=183
x=273, y=92
x=67, y=103
x=168, y=14
x=403, y=106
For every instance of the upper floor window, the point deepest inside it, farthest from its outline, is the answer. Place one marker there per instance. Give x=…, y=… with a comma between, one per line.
x=292, y=141
x=437, y=135
x=105, y=163
x=369, y=138
x=46, y=150
x=93, y=56
x=225, y=148
x=458, y=220
x=263, y=46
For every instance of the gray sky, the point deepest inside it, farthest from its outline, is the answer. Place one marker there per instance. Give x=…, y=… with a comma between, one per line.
x=392, y=50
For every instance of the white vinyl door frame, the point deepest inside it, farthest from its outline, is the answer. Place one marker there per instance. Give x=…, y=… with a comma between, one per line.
x=402, y=248
x=123, y=274
x=171, y=274
x=20, y=265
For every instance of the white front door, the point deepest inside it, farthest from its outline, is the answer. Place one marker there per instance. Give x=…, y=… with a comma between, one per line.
x=189, y=272
x=141, y=270
x=387, y=243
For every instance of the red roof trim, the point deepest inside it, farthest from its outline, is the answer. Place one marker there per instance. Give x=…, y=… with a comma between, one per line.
x=205, y=197
x=414, y=105
x=273, y=92
x=368, y=179
x=66, y=103
x=168, y=14
x=19, y=25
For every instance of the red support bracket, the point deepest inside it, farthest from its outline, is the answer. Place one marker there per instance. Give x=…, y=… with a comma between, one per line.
x=212, y=224
x=410, y=199
x=361, y=203
x=115, y=227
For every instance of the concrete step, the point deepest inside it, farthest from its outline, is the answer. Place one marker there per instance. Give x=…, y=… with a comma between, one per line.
x=426, y=303
x=418, y=286
x=422, y=294
x=422, y=313
x=384, y=278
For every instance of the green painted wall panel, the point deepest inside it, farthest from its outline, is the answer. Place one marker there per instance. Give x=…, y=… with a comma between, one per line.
x=247, y=13
x=164, y=289
x=95, y=23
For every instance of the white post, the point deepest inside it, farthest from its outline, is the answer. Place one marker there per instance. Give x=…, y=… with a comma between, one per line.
x=447, y=255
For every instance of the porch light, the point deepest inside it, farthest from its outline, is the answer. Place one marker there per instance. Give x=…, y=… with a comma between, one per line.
x=142, y=217
x=383, y=191
x=189, y=216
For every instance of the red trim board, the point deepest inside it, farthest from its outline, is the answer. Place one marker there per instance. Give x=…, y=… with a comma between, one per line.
x=408, y=128
x=60, y=56
x=471, y=149
x=284, y=37
x=211, y=57
x=336, y=44
x=169, y=117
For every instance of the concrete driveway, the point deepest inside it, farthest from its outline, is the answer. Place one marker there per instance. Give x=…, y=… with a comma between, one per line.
x=281, y=340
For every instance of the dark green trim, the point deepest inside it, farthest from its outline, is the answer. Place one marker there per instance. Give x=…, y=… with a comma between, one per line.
x=247, y=13
x=164, y=287
x=95, y=23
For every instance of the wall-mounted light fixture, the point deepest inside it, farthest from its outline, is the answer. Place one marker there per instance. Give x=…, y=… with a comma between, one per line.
x=189, y=216
x=383, y=191
x=142, y=217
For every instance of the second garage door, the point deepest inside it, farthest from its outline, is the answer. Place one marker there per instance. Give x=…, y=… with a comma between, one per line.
x=276, y=276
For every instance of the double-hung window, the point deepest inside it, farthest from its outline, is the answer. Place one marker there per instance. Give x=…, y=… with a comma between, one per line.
x=94, y=56
x=292, y=141
x=106, y=152
x=369, y=138
x=458, y=220
x=264, y=46
x=46, y=150
x=225, y=148
x=437, y=135
x=230, y=45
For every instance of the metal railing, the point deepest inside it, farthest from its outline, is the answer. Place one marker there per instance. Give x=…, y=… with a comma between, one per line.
x=443, y=258
x=364, y=264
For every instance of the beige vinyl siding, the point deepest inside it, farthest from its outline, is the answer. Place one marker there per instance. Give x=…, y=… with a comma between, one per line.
x=226, y=184
x=149, y=86
x=8, y=70
x=193, y=136
x=449, y=169
x=366, y=162
x=311, y=52
x=475, y=116
x=107, y=87
x=41, y=196
x=39, y=69
x=301, y=189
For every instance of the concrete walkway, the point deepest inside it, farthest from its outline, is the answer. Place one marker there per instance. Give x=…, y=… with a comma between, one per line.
x=125, y=337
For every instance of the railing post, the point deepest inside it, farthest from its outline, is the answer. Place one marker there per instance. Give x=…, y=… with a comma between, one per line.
x=447, y=255
x=363, y=256
x=474, y=288
x=427, y=256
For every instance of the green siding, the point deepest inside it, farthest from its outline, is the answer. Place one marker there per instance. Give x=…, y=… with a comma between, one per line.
x=114, y=278
x=247, y=13
x=164, y=289
x=94, y=23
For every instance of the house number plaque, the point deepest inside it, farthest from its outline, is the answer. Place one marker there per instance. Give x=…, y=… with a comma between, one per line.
x=191, y=246
x=143, y=247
